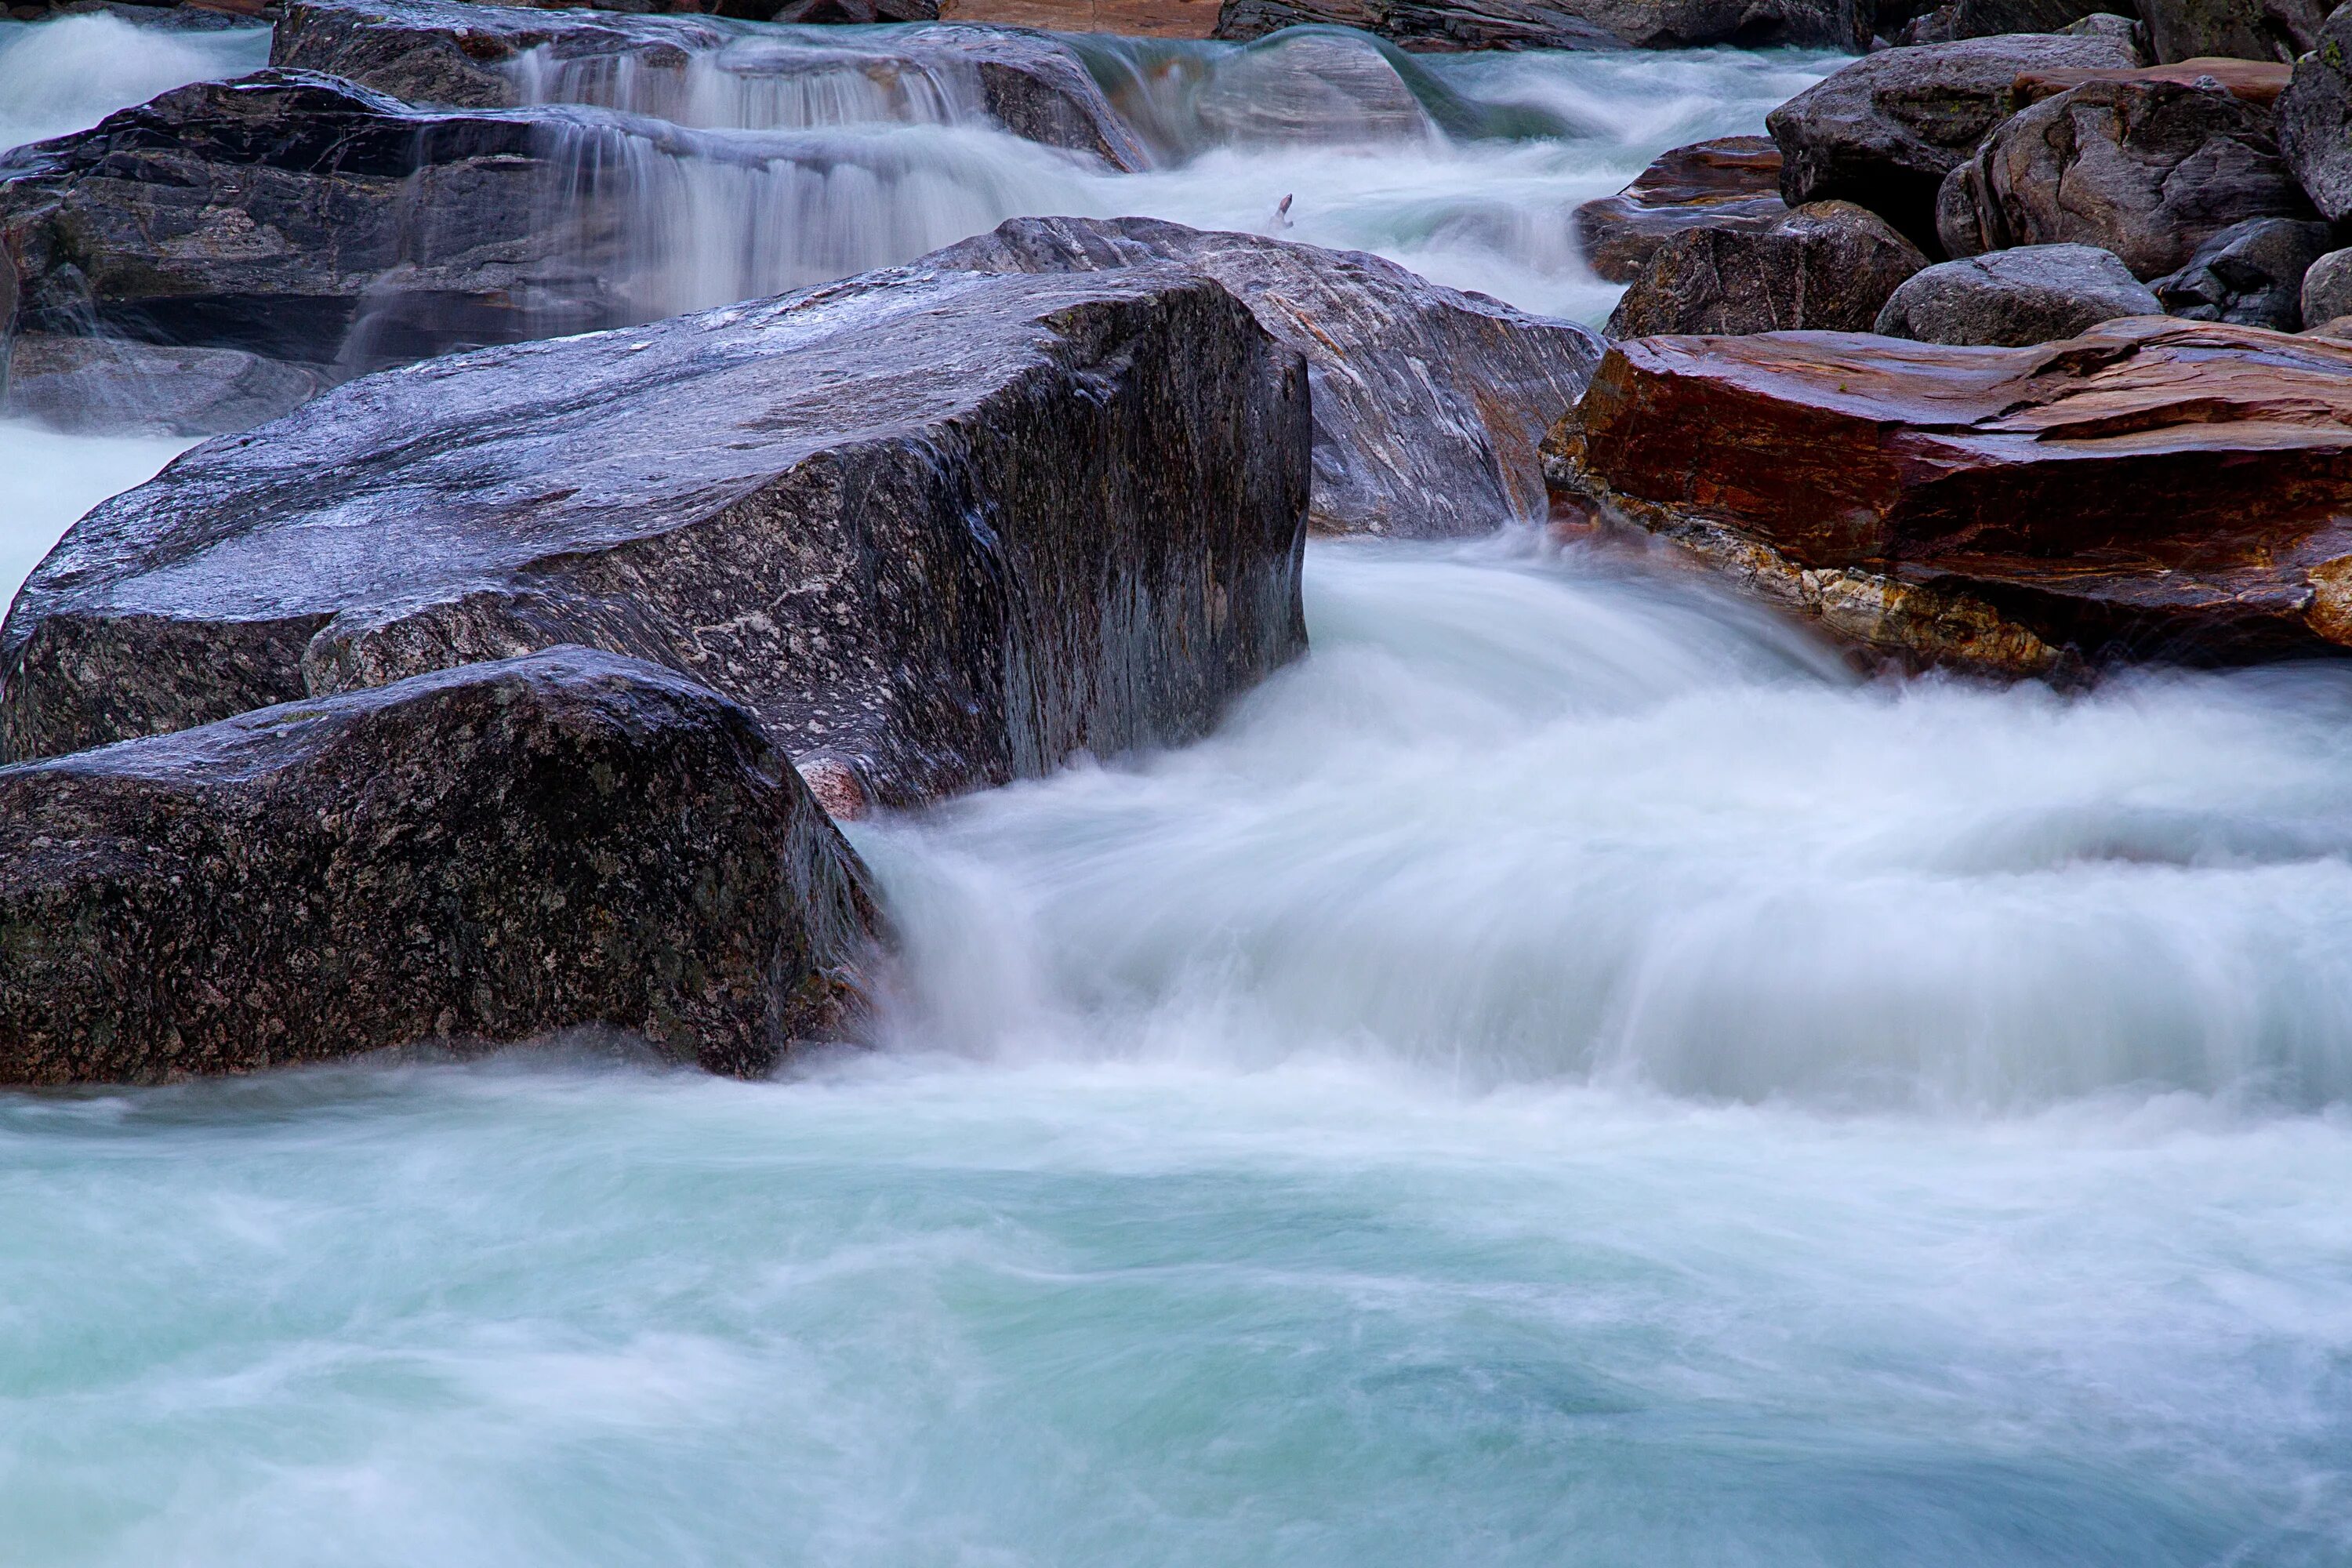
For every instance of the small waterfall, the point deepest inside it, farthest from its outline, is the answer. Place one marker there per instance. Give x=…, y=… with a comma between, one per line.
x=762, y=84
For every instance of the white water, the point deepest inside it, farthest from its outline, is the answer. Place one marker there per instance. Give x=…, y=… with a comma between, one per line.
x=65, y=75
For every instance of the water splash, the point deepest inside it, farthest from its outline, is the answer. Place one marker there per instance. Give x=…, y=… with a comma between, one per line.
x=71, y=72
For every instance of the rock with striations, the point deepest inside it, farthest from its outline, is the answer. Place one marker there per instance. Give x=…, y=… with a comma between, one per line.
x=1320, y=86
x=2148, y=169
x=1989, y=18
x=486, y=854
x=937, y=529
x=1827, y=265
x=2033, y=294
x=2152, y=489
x=2326, y=292
x=2315, y=121
x=2251, y=273
x=108, y=384
x=2240, y=29
x=1885, y=130
x=1730, y=183
x=456, y=53
x=1429, y=404
x=1439, y=25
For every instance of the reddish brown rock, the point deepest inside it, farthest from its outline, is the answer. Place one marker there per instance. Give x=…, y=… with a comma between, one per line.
x=1825, y=266
x=1732, y=182
x=2260, y=83
x=2153, y=487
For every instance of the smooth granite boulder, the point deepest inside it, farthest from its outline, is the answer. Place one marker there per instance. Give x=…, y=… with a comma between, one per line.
x=1430, y=403
x=1827, y=265
x=1730, y=183
x=486, y=854
x=2251, y=273
x=937, y=530
x=1449, y=25
x=2314, y=120
x=1885, y=130
x=2326, y=292
x=2033, y=294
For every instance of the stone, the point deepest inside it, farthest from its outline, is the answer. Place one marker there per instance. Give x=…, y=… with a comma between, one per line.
x=2033, y=294
x=2150, y=170
x=2124, y=28
x=2315, y=121
x=455, y=54
x=2243, y=29
x=1330, y=88
x=2334, y=327
x=1885, y=130
x=2256, y=83
x=1990, y=18
x=1730, y=183
x=1826, y=264
x=111, y=386
x=944, y=529
x=1429, y=404
x=2153, y=487
x=2326, y=292
x=2251, y=273
x=1439, y=25
x=486, y=853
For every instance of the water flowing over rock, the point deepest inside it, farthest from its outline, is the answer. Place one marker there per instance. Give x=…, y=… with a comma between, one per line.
x=1826, y=264
x=489, y=853
x=1564, y=23
x=1429, y=404
x=1730, y=183
x=114, y=384
x=1885, y=130
x=937, y=529
x=2033, y=294
x=2148, y=169
x=2251, y=273
x=2153, y=487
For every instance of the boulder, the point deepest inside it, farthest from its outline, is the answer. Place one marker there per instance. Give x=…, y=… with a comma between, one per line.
x=1321, y=85
x=1440, y=27
x=1429, y=404
x=1989, y=18
x=455, y=54
x=2150, y=170
x=1730, y=183
x=486, y=854
x=2326, y=292
x=1826, y=264
x=937, y=529
x=1885, y=130
x=2243, y=29
x=2251, y=273
x=107, y=385
x=2259, y=84
x=2315, y=121
x=2153, y=487
x=2033, y=294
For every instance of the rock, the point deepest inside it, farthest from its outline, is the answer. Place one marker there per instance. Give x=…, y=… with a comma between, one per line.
x=2150, y=170
x=1323, y=87
x=2256, y=83
x=466, y=55
x=1885, y=130
x=491, y=853
x=104, y=384
x=2326, y=292
x=2243, y=29
x=1429, y=404
x=940, y=527
x=2124, y=29
x=2315, y=121
x=2153, y=487
x=2033, y=294
x=1439, y=25
x=2334, y=327
x=2251, y=273
x=1826, y=264
x=1730, y=183
x=1990, y=18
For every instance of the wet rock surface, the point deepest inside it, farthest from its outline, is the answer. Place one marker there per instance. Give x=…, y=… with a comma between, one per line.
x=486, y=853
x=104, y=384
x=1827, y=265
x=2153, y=487
x=1434, y=25
x=939, y=529
x=1885, y=130
x=2251, y=273
x=1730, y=183
x=1430, y=403
x=2034, y=294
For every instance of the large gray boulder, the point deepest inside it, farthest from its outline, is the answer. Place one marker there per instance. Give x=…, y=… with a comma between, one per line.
x=1448, y=25
x=2314, y=120
x=1430, y=403
x=2251, y=273
x=1826, y=266
x=2148, y=169
x=1730, y=182
x=1989, y=18
x=2236, y=29
x=1885, y=130
x=2326, y=292
x=937, y=530
x=2034, y=294
x=485, y=854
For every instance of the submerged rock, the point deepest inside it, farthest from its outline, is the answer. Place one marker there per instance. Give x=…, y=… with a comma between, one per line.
x=2251, y=273
x=1430, y=25
x=486, y=854
x=938, y=528
x=112, y=385
x=1827, y=265
x=2153, y=487
x=2033, y=294
x=1730, y=183
x=1429, y=404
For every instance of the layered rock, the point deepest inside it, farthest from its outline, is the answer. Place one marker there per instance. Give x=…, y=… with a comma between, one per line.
x=1730, y=183
x=2251, y=273
x=937, y=529
x=486, y=854
x=1429, y=404
x=2256, y=83
x=1827, y=265
x=1885, y=130
x=2153, y=487
x=2148, y=169
x=2034, y=294
x=2315, y=121
x=1432, y=25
